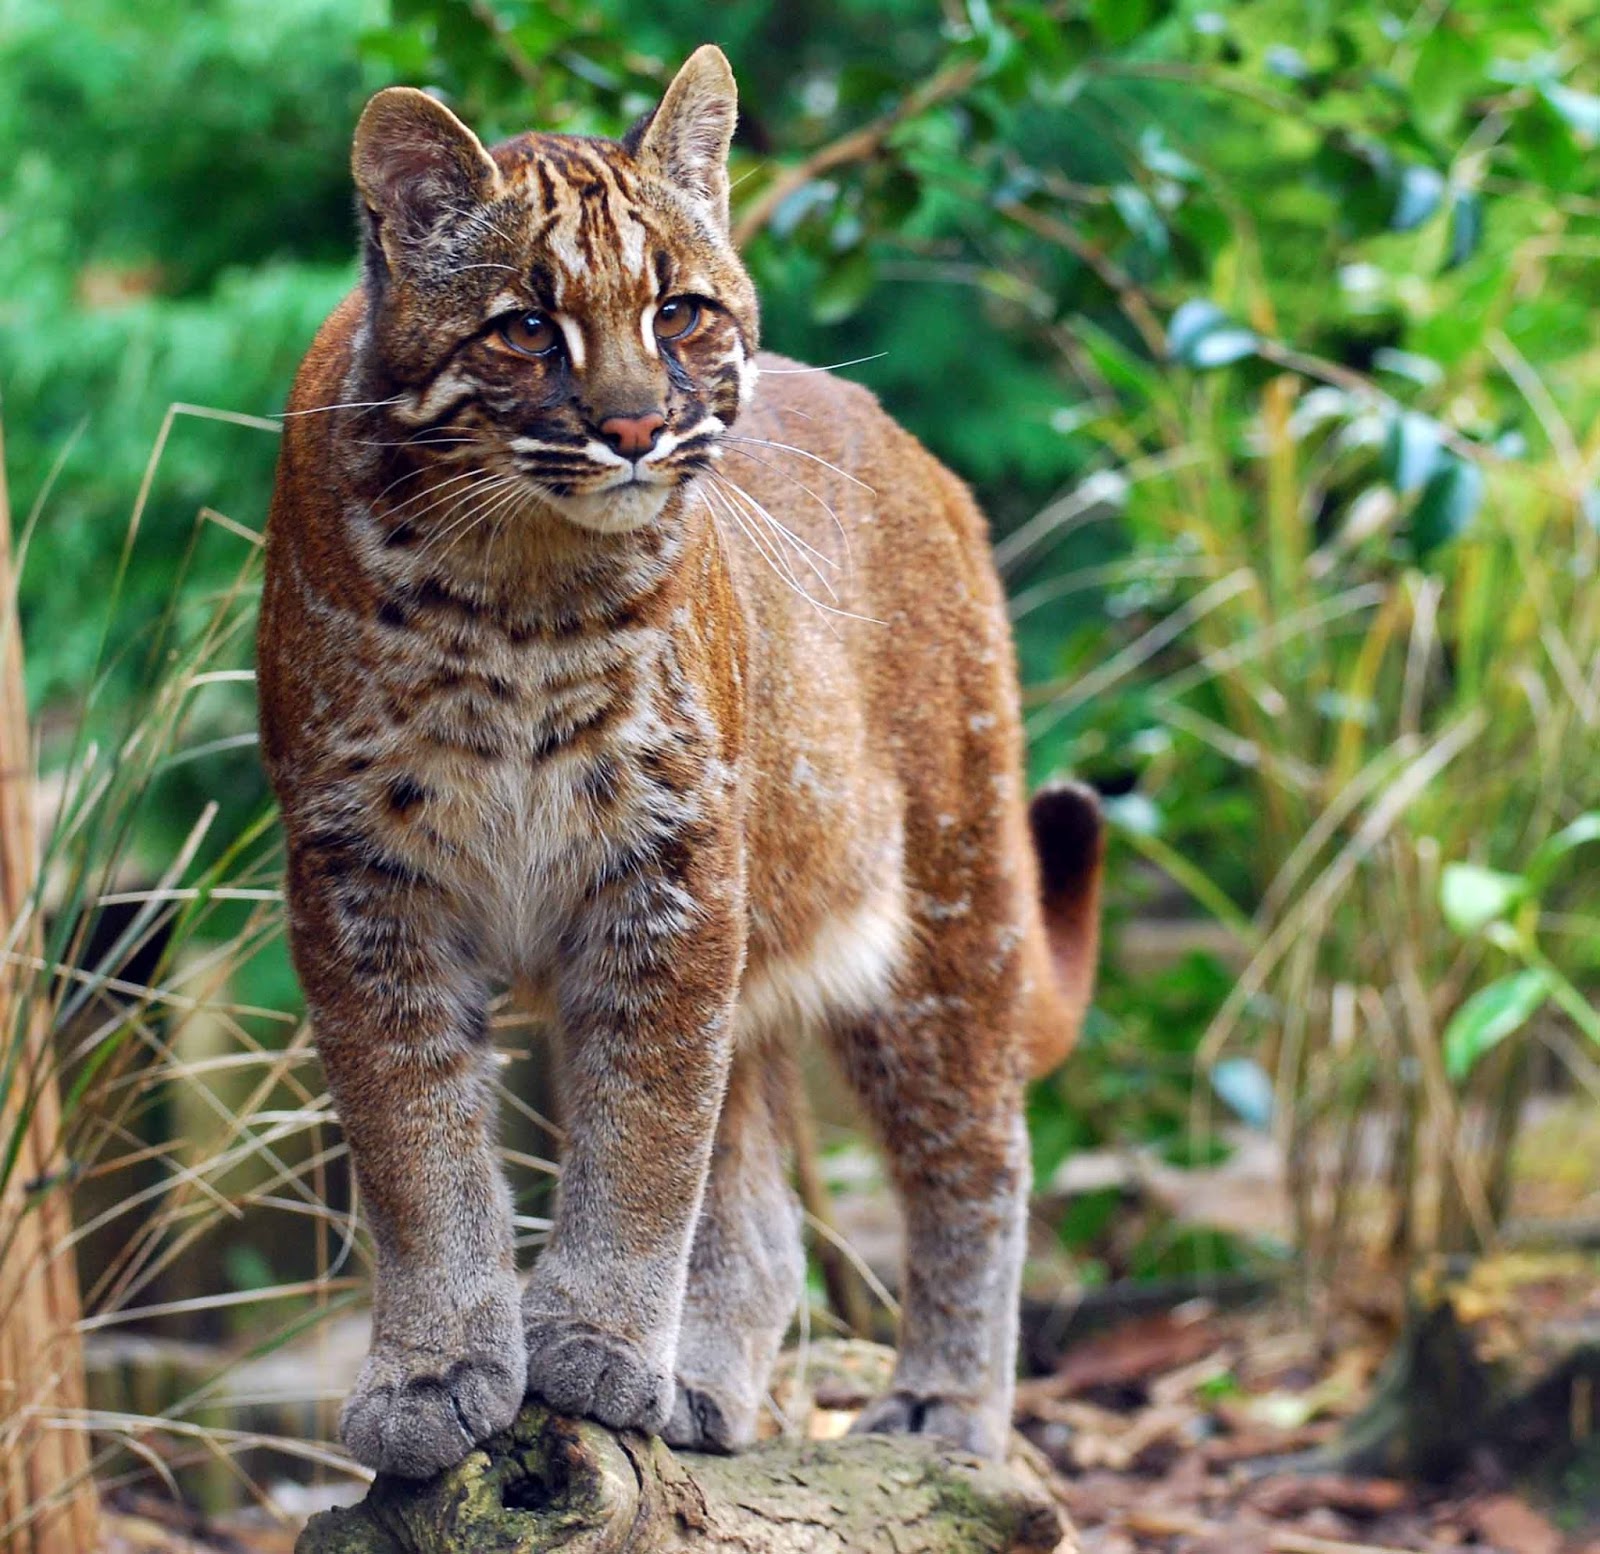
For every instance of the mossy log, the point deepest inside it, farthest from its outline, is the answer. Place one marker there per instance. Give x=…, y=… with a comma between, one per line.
x=556, y=1483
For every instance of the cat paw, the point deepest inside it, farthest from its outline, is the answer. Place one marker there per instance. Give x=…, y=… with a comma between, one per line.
x=957, y=1422
x=415, y=1414
x=702, y=1421
x=578, y=1369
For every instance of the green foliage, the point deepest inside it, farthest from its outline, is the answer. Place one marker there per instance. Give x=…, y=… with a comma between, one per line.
x=1506, y=909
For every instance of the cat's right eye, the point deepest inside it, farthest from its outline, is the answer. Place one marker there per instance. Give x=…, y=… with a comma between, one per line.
x=530, y=334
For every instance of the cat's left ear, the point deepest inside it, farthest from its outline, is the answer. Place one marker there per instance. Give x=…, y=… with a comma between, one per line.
x=687, y=138
x=417, y=165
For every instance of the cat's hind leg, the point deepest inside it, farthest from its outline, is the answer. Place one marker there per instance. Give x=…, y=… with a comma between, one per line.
x=940, y=1073
x=746, y=1269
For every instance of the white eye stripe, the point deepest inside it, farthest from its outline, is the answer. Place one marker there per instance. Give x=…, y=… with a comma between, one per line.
x=445, y=391
x=647, y=331
x=573, y=335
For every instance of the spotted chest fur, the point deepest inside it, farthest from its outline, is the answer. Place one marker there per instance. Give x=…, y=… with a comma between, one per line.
x=511, y=764
x=672, y=683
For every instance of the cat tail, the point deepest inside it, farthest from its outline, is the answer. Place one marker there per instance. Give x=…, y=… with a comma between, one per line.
x=1069, y=840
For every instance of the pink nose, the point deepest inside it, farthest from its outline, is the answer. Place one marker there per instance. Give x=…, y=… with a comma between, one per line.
x=632, y=435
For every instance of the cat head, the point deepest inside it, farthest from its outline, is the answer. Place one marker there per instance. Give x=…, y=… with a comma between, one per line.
x=565, y=309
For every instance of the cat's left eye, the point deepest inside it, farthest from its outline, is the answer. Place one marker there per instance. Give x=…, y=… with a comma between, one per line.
x=530, y=334
x=676, y=317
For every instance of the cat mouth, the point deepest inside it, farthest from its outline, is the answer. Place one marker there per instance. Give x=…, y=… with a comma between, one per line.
x=619, y=507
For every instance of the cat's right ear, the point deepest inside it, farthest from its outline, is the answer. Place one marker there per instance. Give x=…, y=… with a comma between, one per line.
x=416, y=163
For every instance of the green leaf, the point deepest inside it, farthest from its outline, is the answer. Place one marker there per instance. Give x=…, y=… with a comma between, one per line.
x=1472, y=896
x=1119, y=21
x=1117, y=364
x=1418, y=197
x=1411, y=453
x=1200, y=334
x=1548, y=146
x=1466, y=229
x=844, y=288
x=1580, y=110
x=1246, y=1090
x=1550, y=852
x=1489, y=1016
x=1448, y=70
x=1449, y=502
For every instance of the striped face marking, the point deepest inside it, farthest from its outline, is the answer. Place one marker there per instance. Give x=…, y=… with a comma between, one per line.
x=583, y=244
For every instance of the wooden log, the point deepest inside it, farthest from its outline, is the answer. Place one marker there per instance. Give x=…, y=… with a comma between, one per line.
x=555, y=1483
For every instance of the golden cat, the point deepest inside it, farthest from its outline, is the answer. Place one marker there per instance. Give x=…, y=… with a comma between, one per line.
x=672, y=683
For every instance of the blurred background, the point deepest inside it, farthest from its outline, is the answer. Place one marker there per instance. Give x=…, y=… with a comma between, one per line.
x=1264, y=332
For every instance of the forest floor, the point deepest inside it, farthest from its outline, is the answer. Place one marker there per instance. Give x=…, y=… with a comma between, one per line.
x=1193, y=1431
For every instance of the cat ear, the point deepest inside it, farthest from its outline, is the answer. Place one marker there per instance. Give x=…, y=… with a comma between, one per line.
x=686, y=139
x=414, y=162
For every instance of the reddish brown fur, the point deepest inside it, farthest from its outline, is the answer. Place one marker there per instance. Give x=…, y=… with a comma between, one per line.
x=695, y=786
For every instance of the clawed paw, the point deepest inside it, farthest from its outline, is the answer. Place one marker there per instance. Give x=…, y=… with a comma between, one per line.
x=416, y=1414
x=701, y=1421
x=578, y=1369
x=958, y=1422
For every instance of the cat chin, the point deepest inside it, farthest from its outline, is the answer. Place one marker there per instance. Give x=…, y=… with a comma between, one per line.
x=619, y=510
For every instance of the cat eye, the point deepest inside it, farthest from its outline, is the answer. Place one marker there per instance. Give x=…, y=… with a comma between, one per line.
x=530, y=334
x=676, y=317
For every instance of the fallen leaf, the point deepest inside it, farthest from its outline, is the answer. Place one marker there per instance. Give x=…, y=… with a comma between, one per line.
x=1510, y=1523
x=1136, y=1351
x=1296, y=1494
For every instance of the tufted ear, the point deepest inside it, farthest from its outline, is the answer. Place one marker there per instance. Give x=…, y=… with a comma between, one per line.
x=686, y=139
x=415, y=162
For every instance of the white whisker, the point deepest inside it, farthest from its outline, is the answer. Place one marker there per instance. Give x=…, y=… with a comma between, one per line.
x=844, y=534
x=777, y=544
x=801, y=547
x=763, y=548
x=438, y=490
x=782, y=573
x=789, y=447
x=855, y=361
x=453, y=490
x=353, y=404
x=413, y=442
x=463, y=524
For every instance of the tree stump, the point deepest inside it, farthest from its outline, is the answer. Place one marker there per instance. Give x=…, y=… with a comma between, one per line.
x=556, y=1483
x=1503, y=1356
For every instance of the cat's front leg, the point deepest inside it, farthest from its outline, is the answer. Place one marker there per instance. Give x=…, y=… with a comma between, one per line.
x=399, y=1013
x=647, y=991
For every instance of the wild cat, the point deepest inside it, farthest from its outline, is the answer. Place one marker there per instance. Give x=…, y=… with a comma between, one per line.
x=670, y=683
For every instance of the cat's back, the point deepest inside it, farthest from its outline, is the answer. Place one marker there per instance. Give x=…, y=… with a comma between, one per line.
x=885, y=569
